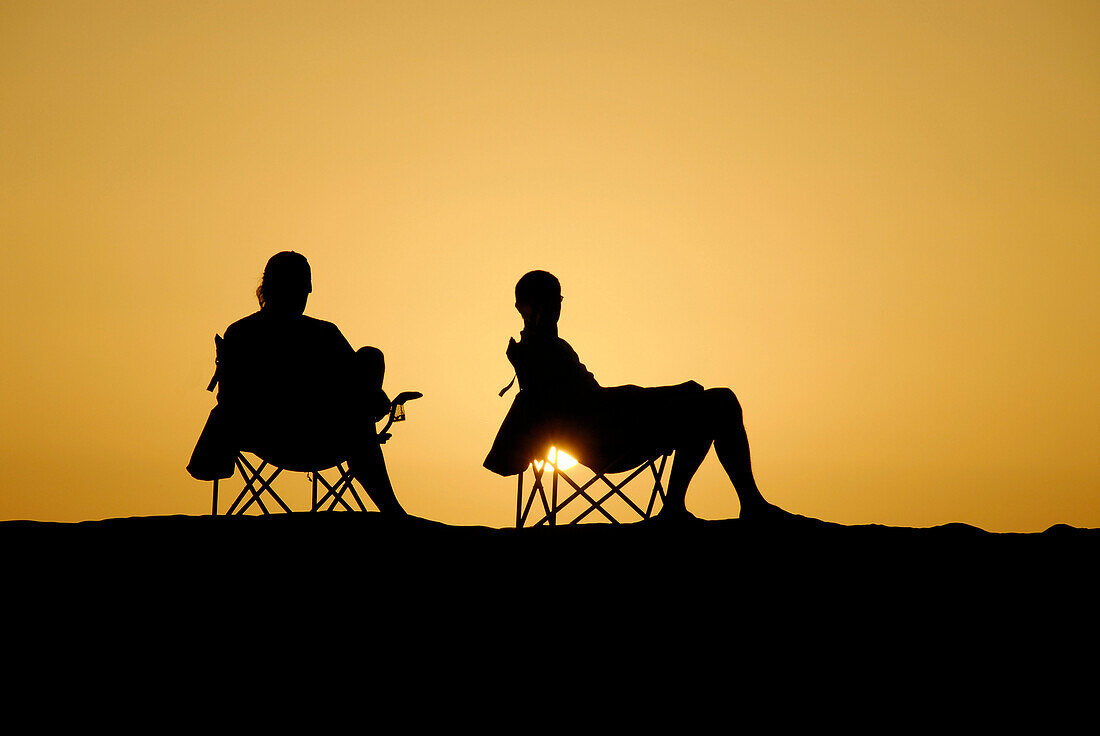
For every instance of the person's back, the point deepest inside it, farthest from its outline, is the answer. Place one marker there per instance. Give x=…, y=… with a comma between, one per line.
x=283, y=375
x=294, y=391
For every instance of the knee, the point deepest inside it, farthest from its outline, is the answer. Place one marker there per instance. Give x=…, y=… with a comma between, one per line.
x=371, y=363
x=722, y=402
x=369, y=354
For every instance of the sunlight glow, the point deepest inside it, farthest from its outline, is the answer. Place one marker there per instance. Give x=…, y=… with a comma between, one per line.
x=848, y=213
x=562, y=460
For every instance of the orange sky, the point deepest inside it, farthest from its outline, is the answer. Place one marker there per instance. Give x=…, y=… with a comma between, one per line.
x=876, y=222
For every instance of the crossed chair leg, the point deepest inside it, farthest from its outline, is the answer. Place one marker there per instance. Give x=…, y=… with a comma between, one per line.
x=335, y=491
x=256, y=484
x=551, y=506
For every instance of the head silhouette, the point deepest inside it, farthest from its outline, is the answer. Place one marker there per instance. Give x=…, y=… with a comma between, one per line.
x=286, y=284
x=538, y=299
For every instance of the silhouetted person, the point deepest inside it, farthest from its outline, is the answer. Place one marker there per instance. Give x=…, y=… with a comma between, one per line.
x=294, y=391
x=561, y=404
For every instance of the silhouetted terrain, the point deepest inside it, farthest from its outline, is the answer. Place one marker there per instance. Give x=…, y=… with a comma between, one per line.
x=344, y=554
x=418, y=598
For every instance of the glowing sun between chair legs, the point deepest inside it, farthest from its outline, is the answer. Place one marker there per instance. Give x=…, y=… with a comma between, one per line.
x=558, y=458
x=545, y=489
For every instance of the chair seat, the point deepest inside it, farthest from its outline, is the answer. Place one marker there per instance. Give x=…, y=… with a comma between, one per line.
x=289, y=459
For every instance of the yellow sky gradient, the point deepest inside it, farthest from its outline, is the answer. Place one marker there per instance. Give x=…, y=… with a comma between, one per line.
x=876, y=222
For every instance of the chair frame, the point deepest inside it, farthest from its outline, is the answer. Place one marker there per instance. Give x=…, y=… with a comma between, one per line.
x=552, y=507
x=256, y=484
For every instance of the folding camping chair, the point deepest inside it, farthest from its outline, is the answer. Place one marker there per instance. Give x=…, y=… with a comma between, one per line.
x=259, y=475
x=586, y=497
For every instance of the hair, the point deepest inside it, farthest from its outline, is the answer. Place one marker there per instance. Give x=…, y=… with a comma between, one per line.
x=285, y=273
x=538, y=287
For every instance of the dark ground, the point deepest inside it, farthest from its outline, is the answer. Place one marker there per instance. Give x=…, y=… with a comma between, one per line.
x=568, y=608
x=803, y=565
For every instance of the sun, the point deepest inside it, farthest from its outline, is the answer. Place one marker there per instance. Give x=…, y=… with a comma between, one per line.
x=563, y=460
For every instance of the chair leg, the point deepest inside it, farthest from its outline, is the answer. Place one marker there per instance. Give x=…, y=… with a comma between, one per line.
x=265, y=484
x=554, y=499
x=348, y=479
x=581, y=491
x=519, y=500
x=240, y=463
x=658, y=489
x=539, y=489
x=335, y=491
x=255, y=485
x=255, y=490
x=655, y=465
x=597, y=505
